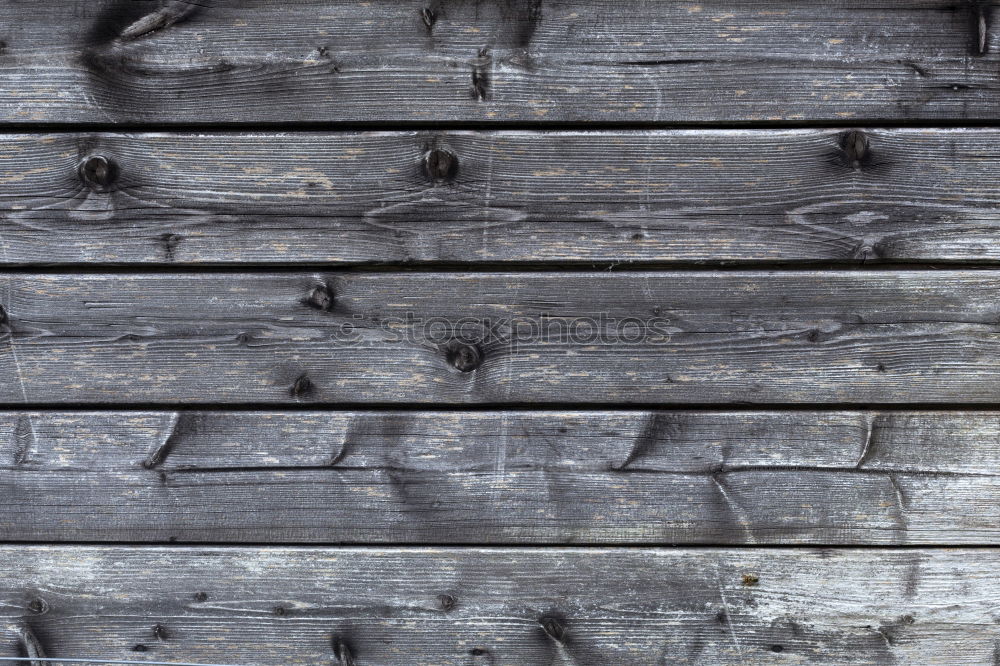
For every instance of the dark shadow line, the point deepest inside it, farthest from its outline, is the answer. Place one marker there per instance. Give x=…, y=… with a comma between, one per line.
x=513, y=406
x=494, y=267
x=487, y=125
x=435, y=545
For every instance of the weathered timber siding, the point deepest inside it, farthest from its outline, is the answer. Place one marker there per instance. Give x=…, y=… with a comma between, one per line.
x=546, y=477
x=234, y=61
x=690, y=337
x=612, y=197
x=461, y=606
x=527, y=332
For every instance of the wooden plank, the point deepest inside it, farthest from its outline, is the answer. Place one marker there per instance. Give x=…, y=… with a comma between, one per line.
x=605, y=477
x=133, y=61
x=462, y=338
x=502, y=606
x=743, y=195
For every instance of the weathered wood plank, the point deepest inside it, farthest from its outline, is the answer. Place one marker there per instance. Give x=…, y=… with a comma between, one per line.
x=738, y=195
x=502, y=606
x=838, y=478
x=553, y=337
x=526, y=60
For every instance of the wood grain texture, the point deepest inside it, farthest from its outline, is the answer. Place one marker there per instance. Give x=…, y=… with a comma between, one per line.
x=581, y=607
x=134, y=61
x=840, y=478
x=462, y=338
x=625, y=196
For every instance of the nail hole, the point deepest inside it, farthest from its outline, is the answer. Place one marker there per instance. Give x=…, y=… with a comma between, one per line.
x=139, y=648
x=447, y=601
x=777, y=648
x=200, y=596
x=98, y=172
x=160, y=632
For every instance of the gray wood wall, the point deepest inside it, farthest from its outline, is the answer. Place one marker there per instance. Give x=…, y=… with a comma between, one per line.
x=501, y=332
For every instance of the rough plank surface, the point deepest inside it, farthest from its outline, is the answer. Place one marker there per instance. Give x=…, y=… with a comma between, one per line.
x=253, y=61
x=579, y=607
x=836, y=478
x=625, y=196
x=550, y=337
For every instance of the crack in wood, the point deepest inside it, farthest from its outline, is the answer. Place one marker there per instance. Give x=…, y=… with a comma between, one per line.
x=172, y=13
x=173, y=434
x=33, y=649
x=868, y=449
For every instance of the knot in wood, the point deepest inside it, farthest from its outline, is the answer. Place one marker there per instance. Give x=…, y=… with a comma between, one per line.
x=321, y=298
x=441, y=164
x=302, y=387
x=553, y=628
x=428, y=17
x=98, y=172
x=855, y=145
x=463, y=356
x=342, y=652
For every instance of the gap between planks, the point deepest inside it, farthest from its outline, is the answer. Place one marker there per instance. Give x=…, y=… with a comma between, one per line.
x=293, y=127
x=166, y=407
